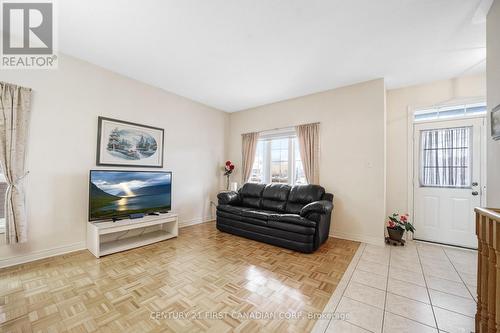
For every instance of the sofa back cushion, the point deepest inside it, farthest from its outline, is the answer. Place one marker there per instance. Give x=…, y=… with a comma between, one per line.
x=274, y=197
x=301, y=195
x=251, y=195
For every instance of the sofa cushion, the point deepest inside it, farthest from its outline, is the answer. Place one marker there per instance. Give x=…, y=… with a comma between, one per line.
x=232, y=209
x=301, y=195
x=274, y=197
x=220, y=213
x=251, y=220
x=258, y=214
x=251, y=195
x=293, y=219
x=277, y=233
x=290, y=227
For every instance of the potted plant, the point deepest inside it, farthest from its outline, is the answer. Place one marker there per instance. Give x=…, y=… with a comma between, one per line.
x=397, y=225
x=228, y=170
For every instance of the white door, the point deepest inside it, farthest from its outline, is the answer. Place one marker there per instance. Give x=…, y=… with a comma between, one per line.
x=447, y=180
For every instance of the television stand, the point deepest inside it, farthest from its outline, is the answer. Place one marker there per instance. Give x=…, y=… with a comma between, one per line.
x=104, y=238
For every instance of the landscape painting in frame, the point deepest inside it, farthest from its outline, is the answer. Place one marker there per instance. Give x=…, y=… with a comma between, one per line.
x=121, y=143
x=495, y=123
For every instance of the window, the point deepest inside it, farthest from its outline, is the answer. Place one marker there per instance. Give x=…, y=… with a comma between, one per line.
x=257, y=175
x=448, y=112
x=445, y=157
x=277, y=160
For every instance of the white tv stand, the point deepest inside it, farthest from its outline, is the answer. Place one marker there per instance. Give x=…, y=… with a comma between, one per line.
x=110, y=237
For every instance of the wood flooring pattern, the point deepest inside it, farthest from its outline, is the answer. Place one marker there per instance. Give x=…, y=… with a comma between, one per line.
x=149, y=288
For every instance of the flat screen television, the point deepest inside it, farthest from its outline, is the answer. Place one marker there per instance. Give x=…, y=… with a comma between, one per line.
x=117, y=194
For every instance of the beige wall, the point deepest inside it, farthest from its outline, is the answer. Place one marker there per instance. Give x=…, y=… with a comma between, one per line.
x=352, y=164
x=62, y=148
x=493, y=76
x=398, y=102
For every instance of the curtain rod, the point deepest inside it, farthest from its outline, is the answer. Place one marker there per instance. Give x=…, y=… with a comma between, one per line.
x=280, y=128
x=15, y=85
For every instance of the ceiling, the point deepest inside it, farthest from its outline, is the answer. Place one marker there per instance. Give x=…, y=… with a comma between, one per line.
x=238, y=54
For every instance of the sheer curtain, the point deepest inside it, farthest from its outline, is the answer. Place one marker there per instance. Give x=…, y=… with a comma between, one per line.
x=445, y=157
x=308, y=138
x=15, y=113
x=249, y=145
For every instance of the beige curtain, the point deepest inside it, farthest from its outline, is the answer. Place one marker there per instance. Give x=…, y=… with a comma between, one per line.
x=15, y=104
x=249, y=145
x=308, y=138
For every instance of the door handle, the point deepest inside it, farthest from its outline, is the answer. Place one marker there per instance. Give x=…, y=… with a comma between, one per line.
x=475, y=184
x=475, y=193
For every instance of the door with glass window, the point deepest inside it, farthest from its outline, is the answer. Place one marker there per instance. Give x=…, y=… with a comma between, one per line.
x=447, y=180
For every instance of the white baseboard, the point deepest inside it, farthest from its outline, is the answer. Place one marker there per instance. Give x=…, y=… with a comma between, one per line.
x=56, y=251
x=37, y=255
x=187, y=223
x=357, y=237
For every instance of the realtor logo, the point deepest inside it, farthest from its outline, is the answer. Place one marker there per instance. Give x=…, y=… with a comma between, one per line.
x=28, y=35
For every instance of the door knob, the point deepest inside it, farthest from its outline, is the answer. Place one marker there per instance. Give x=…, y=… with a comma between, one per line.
x=475, y=192
x=475, y=184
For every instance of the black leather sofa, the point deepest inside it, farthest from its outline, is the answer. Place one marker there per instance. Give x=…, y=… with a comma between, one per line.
x=295, y=217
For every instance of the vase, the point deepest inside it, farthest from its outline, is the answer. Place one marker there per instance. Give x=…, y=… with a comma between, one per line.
x=395, y=233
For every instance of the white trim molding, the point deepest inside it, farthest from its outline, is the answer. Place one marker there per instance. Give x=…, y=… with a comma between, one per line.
x=201, y=220
x=42, y=254
x=380, y=241
x=56, y=251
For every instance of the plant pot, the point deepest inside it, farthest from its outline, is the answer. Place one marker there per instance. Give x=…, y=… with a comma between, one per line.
x=395, y=234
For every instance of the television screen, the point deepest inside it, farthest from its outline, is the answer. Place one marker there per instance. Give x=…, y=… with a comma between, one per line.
x=114, y=194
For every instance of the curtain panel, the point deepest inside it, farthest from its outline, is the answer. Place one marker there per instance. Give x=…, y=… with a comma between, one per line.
x=15, y=103
x=249, y=145
x=445, y=157
x=308, y=138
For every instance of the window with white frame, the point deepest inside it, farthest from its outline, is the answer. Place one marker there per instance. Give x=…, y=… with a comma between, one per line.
x=449, y=112
x=277, y=159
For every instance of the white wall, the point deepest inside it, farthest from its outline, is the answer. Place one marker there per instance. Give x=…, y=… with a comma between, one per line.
x=493, y=77
x=398, y=102
x=62, y=148
x=352, y=164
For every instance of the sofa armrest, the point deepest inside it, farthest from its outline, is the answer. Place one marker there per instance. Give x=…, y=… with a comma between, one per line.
x=228, y=198
x=319, y=207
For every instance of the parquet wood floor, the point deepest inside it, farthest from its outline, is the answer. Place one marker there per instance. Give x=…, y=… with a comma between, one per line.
x=169, y=287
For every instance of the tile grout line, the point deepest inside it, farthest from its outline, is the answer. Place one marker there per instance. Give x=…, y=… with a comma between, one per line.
x=386, y=288
x=460, y=276
x=347, y=285
x=427, y=287
x=397, y=314
x=356, y=257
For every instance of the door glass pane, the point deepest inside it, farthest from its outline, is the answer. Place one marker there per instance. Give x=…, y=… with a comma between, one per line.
x=445, y=157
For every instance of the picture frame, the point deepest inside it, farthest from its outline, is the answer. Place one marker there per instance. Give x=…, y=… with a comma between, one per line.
x=126, y=144
x=495, y=123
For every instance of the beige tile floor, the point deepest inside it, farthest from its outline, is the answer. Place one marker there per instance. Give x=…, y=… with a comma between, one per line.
x=421, y=287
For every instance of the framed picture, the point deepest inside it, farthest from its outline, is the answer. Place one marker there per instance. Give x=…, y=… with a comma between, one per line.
x=121, y=143
x=495, y=123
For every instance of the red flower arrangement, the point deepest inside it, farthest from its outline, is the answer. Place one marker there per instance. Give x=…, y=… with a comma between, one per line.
x=228, y=170
x=397, y=225
x=397, y=221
